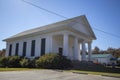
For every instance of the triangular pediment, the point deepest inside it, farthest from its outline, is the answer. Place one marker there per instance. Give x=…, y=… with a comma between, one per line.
x=81, y=24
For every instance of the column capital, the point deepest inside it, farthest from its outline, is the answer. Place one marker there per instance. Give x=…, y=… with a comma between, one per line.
x=65, y=34
x=84, y=41
x=89, y=42
x=76, y=38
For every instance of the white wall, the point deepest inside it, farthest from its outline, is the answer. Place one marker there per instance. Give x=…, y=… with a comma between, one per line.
x=51, y=45
x=105, y=60
x=57, y=43
x=54, y=41
x=28, y=49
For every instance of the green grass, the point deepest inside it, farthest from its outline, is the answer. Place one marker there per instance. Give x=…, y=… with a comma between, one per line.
x=97, y=73
x=111, y=67
x=16, y=69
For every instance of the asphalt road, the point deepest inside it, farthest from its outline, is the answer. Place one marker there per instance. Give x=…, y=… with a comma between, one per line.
x=50, y=75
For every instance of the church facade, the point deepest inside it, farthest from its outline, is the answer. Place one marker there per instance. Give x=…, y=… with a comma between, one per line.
x=71, y=38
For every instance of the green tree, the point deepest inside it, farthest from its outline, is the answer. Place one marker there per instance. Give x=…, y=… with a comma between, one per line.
x=2, y=52
x=114, y=51
x=96, y=50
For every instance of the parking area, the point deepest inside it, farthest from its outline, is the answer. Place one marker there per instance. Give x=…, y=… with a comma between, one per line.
x=50, y=75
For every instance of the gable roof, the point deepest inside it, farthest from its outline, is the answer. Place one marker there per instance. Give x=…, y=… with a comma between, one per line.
x=56, y=25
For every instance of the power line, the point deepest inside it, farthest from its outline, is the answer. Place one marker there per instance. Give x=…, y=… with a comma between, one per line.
x=67, y=18
x=107, y=33
x=45, y=9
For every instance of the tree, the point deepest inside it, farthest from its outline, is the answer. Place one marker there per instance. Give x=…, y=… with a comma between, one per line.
x=114, y=51
x=96, y=50
x=2, y=52
x=103, y=52
x=111, y=50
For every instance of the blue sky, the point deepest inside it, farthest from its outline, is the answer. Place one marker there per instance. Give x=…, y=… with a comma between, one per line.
x=17, y=16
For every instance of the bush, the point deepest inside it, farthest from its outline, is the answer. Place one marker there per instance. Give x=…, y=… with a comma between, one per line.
x=32, y=63
x=14, y=61
x=24, y=62
x=4, y=61
x=53, y=61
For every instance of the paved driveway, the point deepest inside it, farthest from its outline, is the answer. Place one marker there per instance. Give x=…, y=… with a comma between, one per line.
x=49, y=75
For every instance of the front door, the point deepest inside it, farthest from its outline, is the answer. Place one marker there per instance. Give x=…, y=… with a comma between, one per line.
x=60, y=51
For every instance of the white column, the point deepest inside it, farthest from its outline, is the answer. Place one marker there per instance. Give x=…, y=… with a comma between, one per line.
x=83, y=51
x=13, y=49
x=79, y=51
x=7, y=49
x=65, y=45
x=76, y=49
x=20, y=51
x=37, y=47
x=89, y=52
x=28, y=49
x=48, y=44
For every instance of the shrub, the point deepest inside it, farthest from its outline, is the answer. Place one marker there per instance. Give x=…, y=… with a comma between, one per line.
x=32, y=63
x=53, y=61
x=14, y=61
x=24, y=62
x=3, y=61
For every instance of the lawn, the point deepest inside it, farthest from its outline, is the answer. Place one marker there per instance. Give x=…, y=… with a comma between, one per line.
x=96, y=73
x=16, y=69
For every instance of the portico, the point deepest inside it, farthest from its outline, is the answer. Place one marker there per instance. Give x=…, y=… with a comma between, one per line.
x=70, y=45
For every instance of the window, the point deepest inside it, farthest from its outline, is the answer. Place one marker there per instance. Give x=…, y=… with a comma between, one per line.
x=10, y=49
x=43, y=46
x=17, y=48
x=33, y=48
x=24, y=49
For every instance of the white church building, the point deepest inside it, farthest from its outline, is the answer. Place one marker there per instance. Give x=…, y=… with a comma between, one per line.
x=70, y=38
